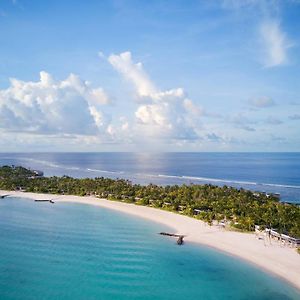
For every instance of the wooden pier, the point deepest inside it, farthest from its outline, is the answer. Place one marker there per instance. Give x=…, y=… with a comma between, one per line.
x=44, y=200
x=179, y=236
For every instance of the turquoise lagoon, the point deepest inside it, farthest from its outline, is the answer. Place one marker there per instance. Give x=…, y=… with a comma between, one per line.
x=75, y=251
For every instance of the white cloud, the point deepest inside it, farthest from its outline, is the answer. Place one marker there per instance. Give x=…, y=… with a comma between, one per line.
x=154, y=114
x=168, y=114
x=98, y=116
x=275, y=43
x=111, y=130
x=192, y=108
x=133, y=72
x=47, y=106
x=125, y=126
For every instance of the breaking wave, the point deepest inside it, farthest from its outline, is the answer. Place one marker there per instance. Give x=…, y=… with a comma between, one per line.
x=157, y=176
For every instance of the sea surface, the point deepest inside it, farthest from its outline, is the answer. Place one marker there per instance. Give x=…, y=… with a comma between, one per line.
x=76, y=251
x=267, y=172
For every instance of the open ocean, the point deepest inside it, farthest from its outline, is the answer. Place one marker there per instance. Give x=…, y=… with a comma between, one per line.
x=268, y=172
x=76, y=251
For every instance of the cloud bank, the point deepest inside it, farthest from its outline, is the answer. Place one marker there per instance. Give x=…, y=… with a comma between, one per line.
x=165, y=114
x=73, y=112
x=47, y=106
x=72, y=107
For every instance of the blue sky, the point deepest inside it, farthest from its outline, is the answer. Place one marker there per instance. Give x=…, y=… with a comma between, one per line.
x=150, y=75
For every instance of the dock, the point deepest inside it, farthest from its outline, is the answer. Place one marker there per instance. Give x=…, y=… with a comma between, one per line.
x=179, y=236
x=44, y=200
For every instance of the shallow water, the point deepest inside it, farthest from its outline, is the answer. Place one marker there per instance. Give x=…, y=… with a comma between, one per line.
x=76, y=251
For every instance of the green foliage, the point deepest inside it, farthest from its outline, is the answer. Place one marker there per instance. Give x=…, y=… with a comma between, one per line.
x=12, y=172
x=242, y=208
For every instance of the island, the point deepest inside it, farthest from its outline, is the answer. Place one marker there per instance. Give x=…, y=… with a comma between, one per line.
x=219, y=217
x=235, y=208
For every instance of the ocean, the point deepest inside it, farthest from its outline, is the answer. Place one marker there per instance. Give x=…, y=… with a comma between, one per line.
x=76, y=251
x=267, y=172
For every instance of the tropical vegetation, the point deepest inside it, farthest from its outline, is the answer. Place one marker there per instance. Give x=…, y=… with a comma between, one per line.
x=239, y=208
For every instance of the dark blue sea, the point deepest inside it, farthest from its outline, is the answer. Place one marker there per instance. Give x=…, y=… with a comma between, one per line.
x=268, y=172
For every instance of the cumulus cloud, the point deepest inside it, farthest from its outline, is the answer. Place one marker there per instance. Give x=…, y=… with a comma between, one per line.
x=275, y=43
x=262, y=102
x=48, y=106
x=72, y=109
x=167, y=114
x=133, y=72
x=165, y=120
x=192, y=108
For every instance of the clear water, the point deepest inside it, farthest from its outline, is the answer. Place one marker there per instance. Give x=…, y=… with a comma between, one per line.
x=269, y=172
x=75, y=251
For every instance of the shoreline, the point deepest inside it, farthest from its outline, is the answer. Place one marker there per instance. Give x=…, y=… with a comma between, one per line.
x=283, y=262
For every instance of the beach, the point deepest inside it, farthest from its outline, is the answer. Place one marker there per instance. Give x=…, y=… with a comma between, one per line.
x=279, y=260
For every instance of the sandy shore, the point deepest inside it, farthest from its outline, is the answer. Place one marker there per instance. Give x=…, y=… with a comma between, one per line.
x=281, y=261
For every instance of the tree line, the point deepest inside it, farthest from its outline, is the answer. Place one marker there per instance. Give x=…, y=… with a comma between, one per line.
x=240, y=208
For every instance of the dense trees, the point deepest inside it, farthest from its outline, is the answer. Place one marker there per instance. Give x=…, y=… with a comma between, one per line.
x=241, y=208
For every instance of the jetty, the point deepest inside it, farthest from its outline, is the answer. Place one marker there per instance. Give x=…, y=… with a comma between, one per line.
x=44, y=200
x=284, y=239
x=179, y=236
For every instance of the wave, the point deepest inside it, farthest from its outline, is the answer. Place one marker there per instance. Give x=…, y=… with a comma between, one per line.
x=61, y=166
x=105, y=171
x=49, y=164
x=208, y=179
x=43, y=162
x=167, y=176
x=280, y=185
x=220, y=180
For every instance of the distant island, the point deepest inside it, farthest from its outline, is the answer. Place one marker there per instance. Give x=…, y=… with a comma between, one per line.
x=235, y=208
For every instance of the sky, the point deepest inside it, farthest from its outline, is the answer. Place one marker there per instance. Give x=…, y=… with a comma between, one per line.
x=141, y=75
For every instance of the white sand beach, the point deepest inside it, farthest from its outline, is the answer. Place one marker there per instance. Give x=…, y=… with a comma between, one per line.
x=275, y=258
